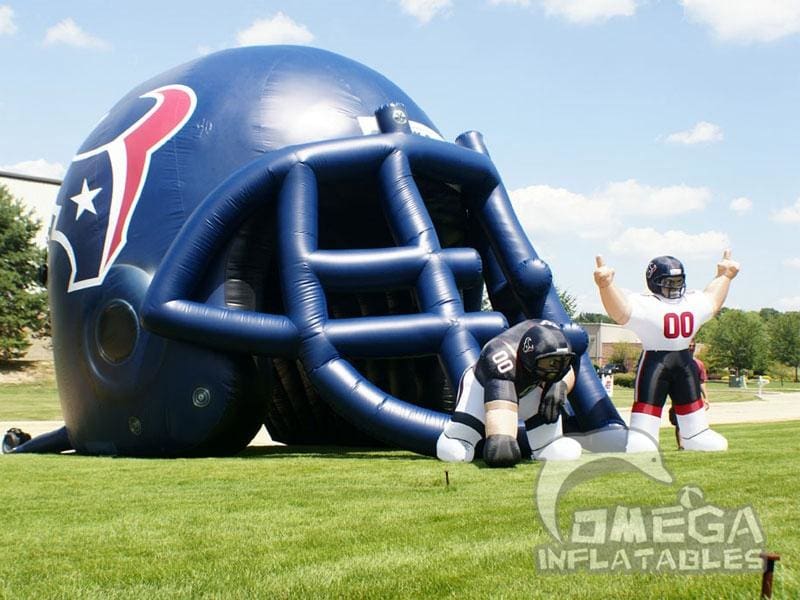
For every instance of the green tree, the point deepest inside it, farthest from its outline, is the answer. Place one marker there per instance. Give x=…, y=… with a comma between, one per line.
x=784, y=337
x=486, y=304
x=624, y=353
x=768, y=314
x=738, y=340
x=23, y=304
x=588, y=317
x=568, y=301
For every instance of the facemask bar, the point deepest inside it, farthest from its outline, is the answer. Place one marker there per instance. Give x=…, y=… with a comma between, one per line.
x=553, y=366
x=672, y=289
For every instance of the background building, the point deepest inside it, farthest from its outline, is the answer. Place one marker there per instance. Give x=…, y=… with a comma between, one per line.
x=603, y=336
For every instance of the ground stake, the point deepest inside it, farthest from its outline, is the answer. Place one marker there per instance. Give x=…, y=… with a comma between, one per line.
x=766, y=577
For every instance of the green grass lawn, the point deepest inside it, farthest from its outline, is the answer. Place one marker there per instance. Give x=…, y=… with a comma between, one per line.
x=306, y=522
x=34, y=398
x=717, y=392
x=29, y=402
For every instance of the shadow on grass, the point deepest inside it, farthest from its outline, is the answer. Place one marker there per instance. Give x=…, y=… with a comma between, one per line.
x=17, y=366
x=371, y=453
x=328, y=452
x=35, y=372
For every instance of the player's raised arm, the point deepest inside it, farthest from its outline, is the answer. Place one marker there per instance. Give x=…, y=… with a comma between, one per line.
x=614, y=301
x=717, y=290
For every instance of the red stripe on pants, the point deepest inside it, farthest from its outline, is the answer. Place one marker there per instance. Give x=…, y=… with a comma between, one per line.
x=685, y=409
x=648, y=409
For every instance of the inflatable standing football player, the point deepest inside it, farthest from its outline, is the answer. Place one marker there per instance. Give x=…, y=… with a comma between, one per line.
x=279, y=235
x=666, y=320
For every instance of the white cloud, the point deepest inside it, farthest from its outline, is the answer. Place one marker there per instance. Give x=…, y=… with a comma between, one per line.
x=38, y=168
x=702, y=133
x=587, y=11
x=746, y=20
x=632, y=198
x=280, y=29
x=425, y=10
x=647, y=242
x=68, y=32
x=789, y=303
x=741, y=205
x=792, y=263
x=523, y=3
x=788, y=214
x=545, y=209
x=7, y=25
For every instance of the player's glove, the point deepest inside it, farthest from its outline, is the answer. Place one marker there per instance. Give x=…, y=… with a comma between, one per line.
x=552, y=401
x=501, y=451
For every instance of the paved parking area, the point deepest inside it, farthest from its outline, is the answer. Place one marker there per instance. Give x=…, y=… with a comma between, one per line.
x=774, y=407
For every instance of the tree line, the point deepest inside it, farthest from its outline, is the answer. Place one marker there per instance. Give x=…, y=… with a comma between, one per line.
x=764, y=342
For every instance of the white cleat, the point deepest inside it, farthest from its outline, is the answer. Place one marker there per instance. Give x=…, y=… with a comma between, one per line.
x=705, y=441
x=562, y=448
x=639, y=441
x=454, y=450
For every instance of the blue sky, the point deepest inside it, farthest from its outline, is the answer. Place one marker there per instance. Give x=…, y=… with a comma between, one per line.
x=628, y=128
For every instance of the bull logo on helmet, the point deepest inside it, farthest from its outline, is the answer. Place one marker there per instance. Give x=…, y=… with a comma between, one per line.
x=127, y=164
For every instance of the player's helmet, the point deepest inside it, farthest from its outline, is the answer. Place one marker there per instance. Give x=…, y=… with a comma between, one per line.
x=545, y=352
x=666, y=277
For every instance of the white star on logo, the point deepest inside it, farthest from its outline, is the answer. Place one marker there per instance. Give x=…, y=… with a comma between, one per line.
x=85, y=199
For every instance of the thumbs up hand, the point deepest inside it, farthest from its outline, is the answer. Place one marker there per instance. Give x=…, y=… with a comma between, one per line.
x=603, y=275
x=727, y=267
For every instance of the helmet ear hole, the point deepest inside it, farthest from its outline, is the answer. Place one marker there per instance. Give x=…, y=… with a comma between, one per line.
x=116, y=331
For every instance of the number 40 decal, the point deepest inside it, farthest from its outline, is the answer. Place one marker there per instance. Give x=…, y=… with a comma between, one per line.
x=678, y=325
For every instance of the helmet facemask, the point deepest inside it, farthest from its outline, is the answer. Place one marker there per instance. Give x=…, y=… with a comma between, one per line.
x=672, y=287
x=553, y=366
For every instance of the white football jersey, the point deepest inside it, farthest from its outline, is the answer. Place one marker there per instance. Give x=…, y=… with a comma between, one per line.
x=664, y=324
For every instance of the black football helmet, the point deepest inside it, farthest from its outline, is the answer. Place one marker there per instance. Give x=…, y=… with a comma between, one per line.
x=666, y=277
x=545, y=352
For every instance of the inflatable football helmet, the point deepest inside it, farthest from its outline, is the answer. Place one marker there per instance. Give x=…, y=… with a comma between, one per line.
x=281, y=236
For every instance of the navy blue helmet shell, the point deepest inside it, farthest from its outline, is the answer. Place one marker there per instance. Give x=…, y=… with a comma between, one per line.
x=280, y=236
